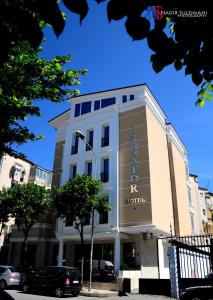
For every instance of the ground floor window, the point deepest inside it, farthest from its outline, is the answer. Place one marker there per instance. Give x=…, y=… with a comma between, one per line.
x=100, y=251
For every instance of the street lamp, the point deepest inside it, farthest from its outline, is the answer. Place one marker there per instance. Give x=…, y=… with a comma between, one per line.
x=83, y=138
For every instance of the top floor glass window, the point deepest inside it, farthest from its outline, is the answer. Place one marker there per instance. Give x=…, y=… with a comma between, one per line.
x=131, y=97
x=77, y=110
x=86, y=107
x=107, y=102
x=97, y=105
x=124, y=98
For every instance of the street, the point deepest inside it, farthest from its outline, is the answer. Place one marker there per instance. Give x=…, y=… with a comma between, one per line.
x=17, y=295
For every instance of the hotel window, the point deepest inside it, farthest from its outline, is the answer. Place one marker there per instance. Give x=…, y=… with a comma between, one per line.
x=124, y=98
x=89, y=139
x=86, y=107
x=77, y=110
x=89, y=168
x=107, y=102
x=74, y=149
x=73, y=171
x=131, y=97
x=105, y=168
x=103, y=217
x=97, y=105
x=105, y=138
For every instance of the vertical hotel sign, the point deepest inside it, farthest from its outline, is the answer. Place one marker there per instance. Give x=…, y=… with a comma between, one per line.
x=135, y=194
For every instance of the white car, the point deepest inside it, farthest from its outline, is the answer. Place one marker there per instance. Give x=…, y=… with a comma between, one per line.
x=9, y=276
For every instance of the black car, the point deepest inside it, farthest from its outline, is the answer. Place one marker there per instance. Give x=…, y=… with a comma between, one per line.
x=197, y=293
x=58, y=281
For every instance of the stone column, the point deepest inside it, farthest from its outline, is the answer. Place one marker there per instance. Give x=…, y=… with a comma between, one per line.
x=60, y=252
x=117, y=259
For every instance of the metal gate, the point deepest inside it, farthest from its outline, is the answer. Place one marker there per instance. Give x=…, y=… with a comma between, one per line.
x=194, y=260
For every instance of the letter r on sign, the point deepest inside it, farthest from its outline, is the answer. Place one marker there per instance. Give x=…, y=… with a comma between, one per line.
x=133, y=188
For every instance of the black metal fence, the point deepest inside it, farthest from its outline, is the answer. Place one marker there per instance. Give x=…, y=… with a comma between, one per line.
x=194, y=256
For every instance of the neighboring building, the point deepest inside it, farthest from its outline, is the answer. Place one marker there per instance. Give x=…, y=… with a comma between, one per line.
x=144, y=169
x=19, y=171
x=194, y=205
x=206, y=208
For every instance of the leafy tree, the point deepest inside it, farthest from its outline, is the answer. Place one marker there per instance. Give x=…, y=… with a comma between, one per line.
x=79, y=198
x=187, y=45
x=24, y=78
x=4, y=209
x=27, y=203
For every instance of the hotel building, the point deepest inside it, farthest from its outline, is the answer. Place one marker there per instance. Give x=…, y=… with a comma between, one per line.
x=143, y=165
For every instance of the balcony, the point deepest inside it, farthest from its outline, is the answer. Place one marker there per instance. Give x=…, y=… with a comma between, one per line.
x=74, y=150
x=104, y=142
x=105, y=176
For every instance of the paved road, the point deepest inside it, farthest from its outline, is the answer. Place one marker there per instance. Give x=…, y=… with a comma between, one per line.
x=17, y=295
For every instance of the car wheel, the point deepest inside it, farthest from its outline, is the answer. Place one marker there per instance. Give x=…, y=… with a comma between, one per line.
x=25, y=288
x=75, y=294
x=3, y=284
x=59, y=292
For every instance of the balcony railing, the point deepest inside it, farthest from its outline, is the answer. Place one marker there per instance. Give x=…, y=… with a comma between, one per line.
x=74, y=150
x=104, y=142
x=104, y=176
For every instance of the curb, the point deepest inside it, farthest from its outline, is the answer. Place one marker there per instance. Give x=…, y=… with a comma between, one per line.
x=100, y=293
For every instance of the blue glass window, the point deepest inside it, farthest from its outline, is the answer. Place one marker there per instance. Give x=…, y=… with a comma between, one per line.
x=77, y=110
x=131, y=97
x=97, y=105
x=89, y=168
x=124, y=98
x=106, y=165
x=107, y=102
x=86, y=107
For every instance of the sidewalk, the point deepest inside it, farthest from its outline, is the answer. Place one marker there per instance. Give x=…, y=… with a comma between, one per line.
x=116, y=295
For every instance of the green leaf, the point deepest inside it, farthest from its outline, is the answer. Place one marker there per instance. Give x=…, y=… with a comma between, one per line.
x=210, y=87
x=207, y=96
x=202, y=103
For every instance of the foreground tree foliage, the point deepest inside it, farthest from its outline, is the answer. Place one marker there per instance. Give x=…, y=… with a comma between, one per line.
x=78, y=199
x=24, y=78
x=27, y=203
x=187, y=45
x=4, y=209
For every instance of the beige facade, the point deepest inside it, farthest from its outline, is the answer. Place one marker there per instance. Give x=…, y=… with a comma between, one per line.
x=162, y=210
x=179, y=184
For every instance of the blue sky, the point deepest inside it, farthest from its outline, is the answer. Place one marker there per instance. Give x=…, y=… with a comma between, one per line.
x=113, y=60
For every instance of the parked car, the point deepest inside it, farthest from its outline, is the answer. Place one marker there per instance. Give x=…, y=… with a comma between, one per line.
x=9, y=277
x=197, y=293
x=58, y=281
x=103, y=270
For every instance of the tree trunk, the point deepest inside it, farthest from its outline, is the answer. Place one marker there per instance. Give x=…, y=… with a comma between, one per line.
x=25, y=260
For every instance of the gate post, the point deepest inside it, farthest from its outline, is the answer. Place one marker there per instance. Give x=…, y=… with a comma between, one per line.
x=173, y=270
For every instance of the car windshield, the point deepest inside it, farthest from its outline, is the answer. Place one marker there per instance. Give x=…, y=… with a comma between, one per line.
x=12, y=269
